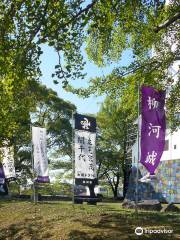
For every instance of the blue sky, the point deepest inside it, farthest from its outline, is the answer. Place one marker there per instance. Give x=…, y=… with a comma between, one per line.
x=90, y=105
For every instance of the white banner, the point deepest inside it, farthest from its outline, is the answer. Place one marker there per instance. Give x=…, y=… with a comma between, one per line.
x=40, y=153
x=85, y=154
x=8, y=162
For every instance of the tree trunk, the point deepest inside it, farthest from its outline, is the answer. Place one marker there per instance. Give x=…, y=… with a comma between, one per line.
x=115, y=192
x=91, y=191
x=6, y=189
x=124, y=167
x=116, y=186
x=126, y=173
x=111, y=184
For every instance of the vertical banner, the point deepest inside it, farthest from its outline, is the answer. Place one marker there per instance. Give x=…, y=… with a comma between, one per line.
x=85, y=150
x=3, y=185
x=40, y=154
x=153, y=127
x=2, y=176
x=8, y=163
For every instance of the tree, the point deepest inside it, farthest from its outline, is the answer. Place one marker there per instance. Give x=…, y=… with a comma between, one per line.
x=51, y=112
x=116, y=26
x=24, y=27
x=16, y=103
x=55, y=114
x=113, y=121
x=105, y=28
x=110, y=168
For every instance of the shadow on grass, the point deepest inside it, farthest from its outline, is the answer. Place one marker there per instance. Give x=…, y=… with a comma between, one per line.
x=28, y=229
x=70, y=222
x=119, y=226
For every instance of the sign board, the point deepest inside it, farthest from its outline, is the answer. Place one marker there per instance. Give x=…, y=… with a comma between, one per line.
x=85, y=150
x=40, y=154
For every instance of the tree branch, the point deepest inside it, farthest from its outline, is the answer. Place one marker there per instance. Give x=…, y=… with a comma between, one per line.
x=168, y=22
x=86, y=9
x=37, y=29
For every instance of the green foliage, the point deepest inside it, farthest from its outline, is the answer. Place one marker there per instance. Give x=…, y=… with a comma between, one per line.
x=48, y=111
x=117, y=26
x=60, y=163
x=16, y=104
x=55, y=189
x=24, y=27
x=114, y=120
x=105, y=28
x=55, y=114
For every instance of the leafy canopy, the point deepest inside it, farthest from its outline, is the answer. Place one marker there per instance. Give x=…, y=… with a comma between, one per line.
x=150, y=30
x=105, y=27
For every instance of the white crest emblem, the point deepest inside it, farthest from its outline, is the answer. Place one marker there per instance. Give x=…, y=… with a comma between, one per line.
x=85, y=124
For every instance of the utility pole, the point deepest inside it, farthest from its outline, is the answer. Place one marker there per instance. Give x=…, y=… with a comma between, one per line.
x=138, y=155
x=73, y=161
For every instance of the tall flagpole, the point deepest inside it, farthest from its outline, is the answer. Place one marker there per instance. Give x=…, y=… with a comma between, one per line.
x=138, y=155
x=32, y=161
x=73, y=161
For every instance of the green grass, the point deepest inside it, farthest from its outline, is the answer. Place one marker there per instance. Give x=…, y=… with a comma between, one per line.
x=62, y=220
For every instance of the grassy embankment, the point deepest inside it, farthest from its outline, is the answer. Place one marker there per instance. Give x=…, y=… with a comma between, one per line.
x=62, y=220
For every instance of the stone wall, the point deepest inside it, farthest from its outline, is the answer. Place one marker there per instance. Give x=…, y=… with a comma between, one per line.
x=166, y=188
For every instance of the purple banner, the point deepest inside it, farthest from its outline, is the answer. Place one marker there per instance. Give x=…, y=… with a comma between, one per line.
x=43, y=179
x=2, y=176
x=153, y=127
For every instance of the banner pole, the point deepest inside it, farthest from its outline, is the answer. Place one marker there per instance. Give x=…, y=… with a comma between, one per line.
x=138, y=155
x=32, y=160
x=73, y=163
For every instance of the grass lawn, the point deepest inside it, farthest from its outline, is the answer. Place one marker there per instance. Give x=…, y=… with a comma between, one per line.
x=62, y=220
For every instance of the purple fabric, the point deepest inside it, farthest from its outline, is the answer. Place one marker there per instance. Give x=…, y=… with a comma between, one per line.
x=2, y=172
x=153, y=127
x=43, y=179
x=2, y=176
